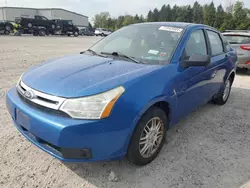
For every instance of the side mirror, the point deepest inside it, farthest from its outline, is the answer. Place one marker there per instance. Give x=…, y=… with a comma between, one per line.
x=196, y=60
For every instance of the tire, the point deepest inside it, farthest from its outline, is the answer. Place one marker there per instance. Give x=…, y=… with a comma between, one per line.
x=223, y=96
x=42, y=33
x=30, y=25
x=69, y=35
x=6, y=32
x=76, y=34
x=136, y=150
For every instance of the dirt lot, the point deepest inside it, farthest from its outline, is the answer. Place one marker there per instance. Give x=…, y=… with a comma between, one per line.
x=209, y=148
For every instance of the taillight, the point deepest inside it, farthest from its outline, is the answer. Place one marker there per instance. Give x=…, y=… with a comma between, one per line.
x=245, y=47
x=247, y=62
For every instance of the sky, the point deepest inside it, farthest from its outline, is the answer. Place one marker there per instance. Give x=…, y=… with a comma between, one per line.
x=114, y=7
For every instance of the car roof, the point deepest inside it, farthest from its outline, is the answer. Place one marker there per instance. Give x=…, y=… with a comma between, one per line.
x=237, y=33
x=173, y=24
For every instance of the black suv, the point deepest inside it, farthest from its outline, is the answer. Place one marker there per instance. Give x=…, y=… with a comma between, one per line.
x=66, y=27
x=6, y=27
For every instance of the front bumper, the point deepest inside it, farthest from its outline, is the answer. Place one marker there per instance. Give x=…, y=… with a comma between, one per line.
x=68, y=139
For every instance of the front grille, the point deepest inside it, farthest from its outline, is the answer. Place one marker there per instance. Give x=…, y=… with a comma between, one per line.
x=42, y=108
x=40, y=98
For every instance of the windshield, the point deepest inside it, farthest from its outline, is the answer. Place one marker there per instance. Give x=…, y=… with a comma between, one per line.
x=237, y=39
x=149, y=43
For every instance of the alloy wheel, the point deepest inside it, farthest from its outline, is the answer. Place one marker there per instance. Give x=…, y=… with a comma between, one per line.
x=226, y=90
x=151, y=137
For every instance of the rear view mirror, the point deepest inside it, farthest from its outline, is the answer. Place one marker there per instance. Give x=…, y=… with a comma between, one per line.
x=196, y=60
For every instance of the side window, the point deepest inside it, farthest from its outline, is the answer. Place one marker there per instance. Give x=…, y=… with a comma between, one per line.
x=43, y=18
x=226, y=44
x=196, y=44
x=216, y=43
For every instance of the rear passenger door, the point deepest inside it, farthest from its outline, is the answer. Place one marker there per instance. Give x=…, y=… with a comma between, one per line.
x=218, y=63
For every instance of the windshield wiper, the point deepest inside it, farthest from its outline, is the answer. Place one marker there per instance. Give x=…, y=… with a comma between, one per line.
x=121, y=55
x=93, y=52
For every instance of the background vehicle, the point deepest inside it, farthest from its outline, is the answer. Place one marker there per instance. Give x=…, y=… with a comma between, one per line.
x=240, y=41
x=36, y=21
x=66, y=27
x=87, y=32
x=6, y=27
x=102, y=32
x=32, y=25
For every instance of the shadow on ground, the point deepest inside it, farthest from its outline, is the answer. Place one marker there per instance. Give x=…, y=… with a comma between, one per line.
x=243, y=72
x=209, y=148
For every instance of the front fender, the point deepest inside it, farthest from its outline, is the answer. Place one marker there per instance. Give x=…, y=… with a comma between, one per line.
x=172, y=101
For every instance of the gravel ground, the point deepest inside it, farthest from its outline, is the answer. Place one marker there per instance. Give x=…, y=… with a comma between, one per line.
x=209, y=148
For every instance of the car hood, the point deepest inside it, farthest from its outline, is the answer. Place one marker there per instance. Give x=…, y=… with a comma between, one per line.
x=83, y=75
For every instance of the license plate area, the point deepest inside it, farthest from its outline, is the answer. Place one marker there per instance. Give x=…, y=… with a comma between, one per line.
x=22, y=119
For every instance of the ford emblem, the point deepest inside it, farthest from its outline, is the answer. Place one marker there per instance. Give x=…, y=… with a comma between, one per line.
x=29, y=94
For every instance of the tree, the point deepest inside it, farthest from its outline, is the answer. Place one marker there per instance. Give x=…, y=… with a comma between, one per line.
x=230, y=7
x=162, y=14
x=165, y=13
x=209, y=14
x=228, y=22
x=189, y=14
x=101, y=20
x=136, y=19
x=141, y=19
x=197, y=13
x=220, y=17
x=150, y=16
x=236, y=16
x=155, y=16
x=240, y=15
x=174, y=13
x=90, y=25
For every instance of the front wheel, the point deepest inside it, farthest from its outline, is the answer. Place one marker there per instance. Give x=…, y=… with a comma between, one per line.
x=223, y=96
x=148, y=137
x=76, y=34
x=42, y=32
x=6, y=32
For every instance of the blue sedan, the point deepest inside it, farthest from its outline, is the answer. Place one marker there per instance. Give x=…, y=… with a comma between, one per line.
x=119, y=97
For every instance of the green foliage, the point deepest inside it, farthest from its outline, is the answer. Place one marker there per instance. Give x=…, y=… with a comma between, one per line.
x=209, y=14
x=198, y=16
x=235, y=16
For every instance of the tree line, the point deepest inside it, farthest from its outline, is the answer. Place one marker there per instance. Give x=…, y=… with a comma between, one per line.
x=233, y=16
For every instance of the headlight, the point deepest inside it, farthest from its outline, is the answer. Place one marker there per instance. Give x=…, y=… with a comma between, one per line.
x=92, y=107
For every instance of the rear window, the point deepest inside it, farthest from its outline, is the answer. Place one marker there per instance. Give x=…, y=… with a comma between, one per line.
x=237, y=39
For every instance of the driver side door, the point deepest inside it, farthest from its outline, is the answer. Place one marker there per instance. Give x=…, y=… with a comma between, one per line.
x=193, y=86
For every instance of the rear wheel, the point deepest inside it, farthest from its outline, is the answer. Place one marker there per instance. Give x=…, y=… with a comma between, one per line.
x=42, y=32
x=148, y=137
x=223, y=96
